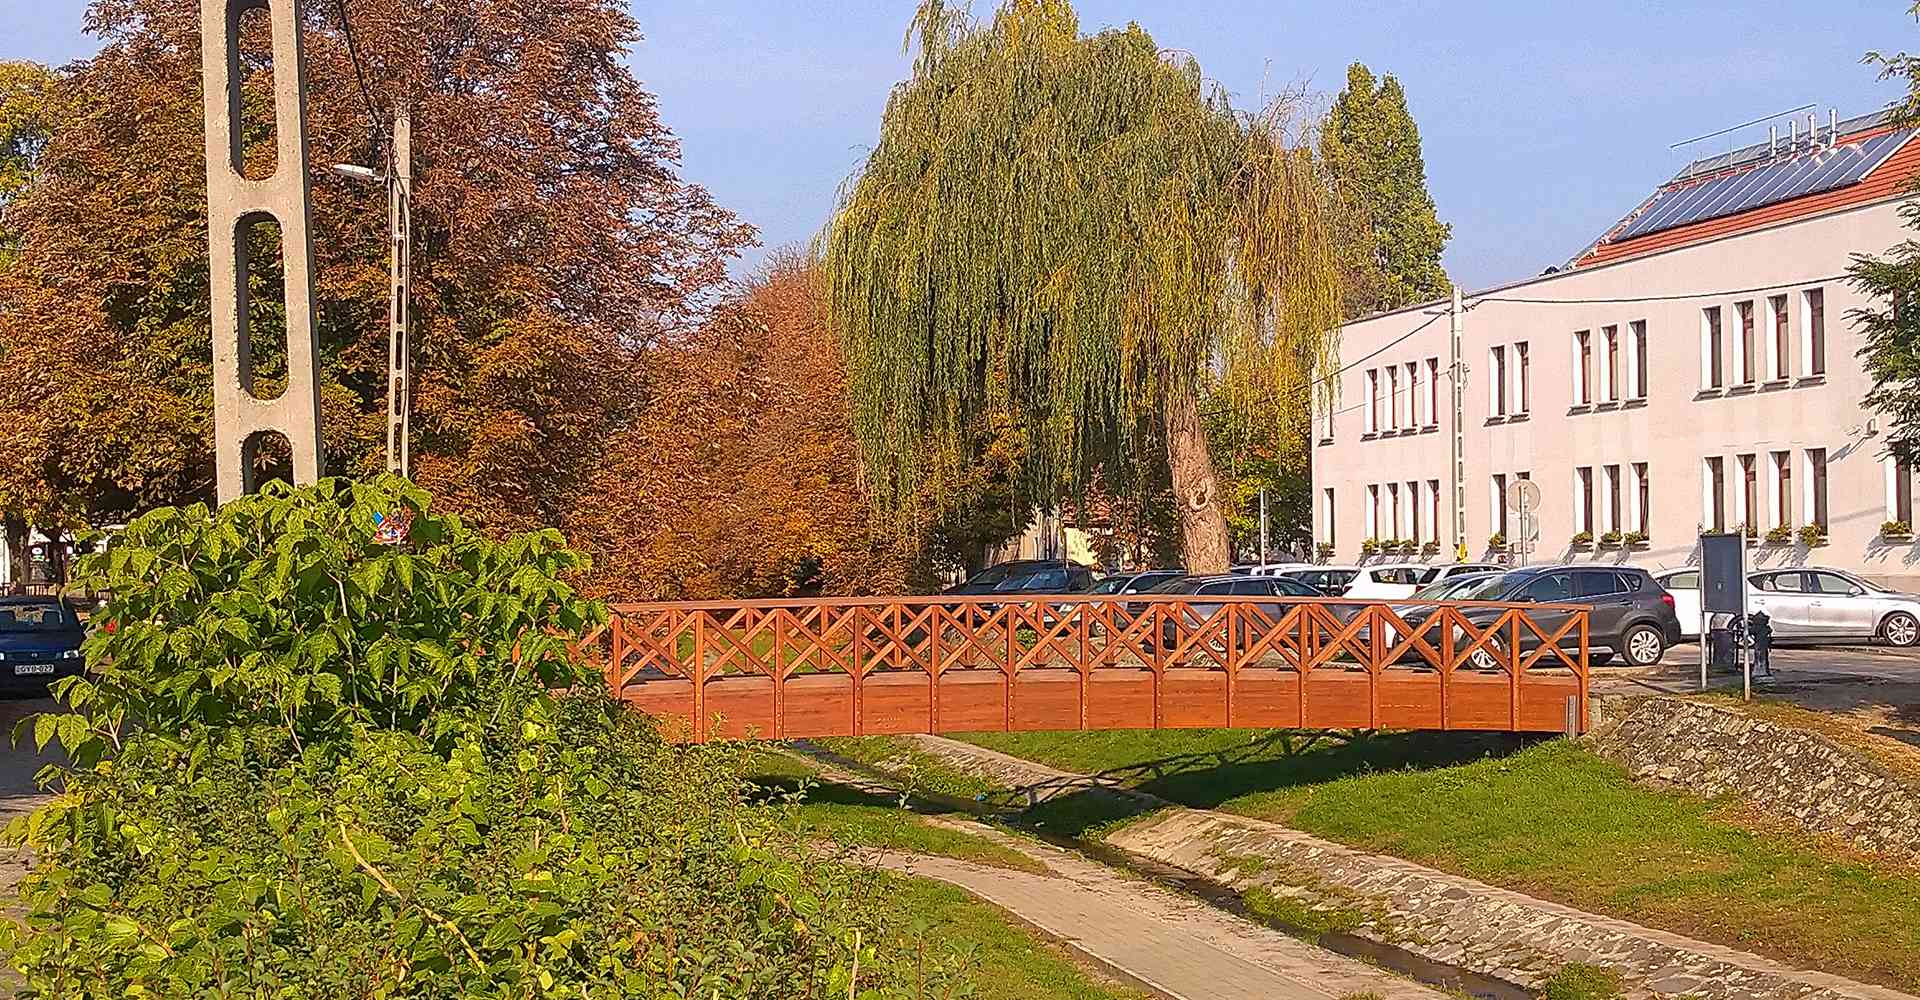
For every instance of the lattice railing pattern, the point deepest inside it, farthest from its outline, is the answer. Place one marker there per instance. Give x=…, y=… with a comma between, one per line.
x=825, y=667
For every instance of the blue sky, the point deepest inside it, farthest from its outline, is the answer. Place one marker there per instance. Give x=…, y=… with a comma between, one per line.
x=1544, y=122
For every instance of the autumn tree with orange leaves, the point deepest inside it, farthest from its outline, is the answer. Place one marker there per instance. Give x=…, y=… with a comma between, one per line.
x=557, y=247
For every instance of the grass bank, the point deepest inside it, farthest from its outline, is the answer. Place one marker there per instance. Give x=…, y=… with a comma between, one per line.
x=1551, y=820
x=937, y=923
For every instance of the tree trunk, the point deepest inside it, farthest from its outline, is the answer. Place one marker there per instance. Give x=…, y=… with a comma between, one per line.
x=1203, y=524
x=19, y=553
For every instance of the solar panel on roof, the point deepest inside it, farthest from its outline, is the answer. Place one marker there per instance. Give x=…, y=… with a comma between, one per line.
x=1765, y=185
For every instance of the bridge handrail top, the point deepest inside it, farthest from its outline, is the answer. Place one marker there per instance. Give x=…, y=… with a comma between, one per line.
x=800, y=603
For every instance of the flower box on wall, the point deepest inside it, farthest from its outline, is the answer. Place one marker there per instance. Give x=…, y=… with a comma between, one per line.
x=1897, y=531
x=1582, y=541
x=1780, y=535
x=1813, y=536
x=1611, y=540
x=1635, y=540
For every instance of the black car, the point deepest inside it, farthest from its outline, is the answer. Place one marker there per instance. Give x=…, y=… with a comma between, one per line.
x=1224, y=584
x=1027, y=576
x=40, y=641
x=1134, y=582
x=1327, y=581
x=1630, y=615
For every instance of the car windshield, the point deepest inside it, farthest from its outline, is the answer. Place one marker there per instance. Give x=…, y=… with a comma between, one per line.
x=1489, y=589
x=1177, y=585
x=1110, y=585
x=48, y=617
x=1440, y=589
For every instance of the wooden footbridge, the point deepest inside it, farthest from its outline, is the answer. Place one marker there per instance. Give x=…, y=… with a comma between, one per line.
x=851, y=667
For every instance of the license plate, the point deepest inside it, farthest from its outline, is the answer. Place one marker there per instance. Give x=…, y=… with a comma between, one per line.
x=28, y=669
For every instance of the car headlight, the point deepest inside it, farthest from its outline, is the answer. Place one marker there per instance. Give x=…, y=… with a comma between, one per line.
x=69, y=654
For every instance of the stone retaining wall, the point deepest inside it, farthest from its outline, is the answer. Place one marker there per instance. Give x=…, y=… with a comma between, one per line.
x=1792, y=774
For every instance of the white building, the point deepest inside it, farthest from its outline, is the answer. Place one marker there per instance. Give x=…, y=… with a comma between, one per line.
x=1693, y=369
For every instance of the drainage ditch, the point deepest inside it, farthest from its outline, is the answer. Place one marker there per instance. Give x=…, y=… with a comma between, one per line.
x=1391, y=957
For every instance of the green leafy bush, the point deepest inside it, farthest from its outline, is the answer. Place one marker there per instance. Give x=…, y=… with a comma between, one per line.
x=351, y=778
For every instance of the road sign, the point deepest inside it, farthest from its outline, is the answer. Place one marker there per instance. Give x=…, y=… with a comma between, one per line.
x=1523, y=495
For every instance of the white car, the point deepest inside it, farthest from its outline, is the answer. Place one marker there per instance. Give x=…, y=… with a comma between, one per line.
x=1808, y=603
x=1450, y=570
x=1273, y=569
x=1388, y=582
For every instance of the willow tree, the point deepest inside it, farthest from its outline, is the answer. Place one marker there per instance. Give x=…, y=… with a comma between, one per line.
x=1082, y=232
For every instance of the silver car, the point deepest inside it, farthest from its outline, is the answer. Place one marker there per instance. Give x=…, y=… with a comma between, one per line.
x=1829, y=604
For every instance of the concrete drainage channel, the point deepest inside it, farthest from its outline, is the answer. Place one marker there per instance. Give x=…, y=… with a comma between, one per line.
x=1420, y=969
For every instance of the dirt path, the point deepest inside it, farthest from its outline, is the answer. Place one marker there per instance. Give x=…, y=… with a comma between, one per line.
x=1172, y=943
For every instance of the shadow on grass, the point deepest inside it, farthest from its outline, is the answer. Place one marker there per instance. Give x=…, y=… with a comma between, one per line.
x=1082, y=806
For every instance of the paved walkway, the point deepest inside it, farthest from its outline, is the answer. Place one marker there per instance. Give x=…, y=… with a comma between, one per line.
x=1166, y=940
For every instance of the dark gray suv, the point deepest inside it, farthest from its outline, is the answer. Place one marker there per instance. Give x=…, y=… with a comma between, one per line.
x=1630, y=615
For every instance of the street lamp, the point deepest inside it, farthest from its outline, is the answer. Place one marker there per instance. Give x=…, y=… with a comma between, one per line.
x=399, y=184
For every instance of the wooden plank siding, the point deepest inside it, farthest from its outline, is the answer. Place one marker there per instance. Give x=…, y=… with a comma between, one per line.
x=842, y=667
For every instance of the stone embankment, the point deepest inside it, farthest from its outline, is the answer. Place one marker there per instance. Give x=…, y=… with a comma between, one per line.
x=1780, y=771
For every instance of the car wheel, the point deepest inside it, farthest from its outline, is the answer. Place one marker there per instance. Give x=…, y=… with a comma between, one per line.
x=1482, y=659
x=1644, y=645
x=1900, y=629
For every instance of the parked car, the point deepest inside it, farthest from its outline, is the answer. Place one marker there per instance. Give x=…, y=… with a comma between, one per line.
x=1270, y=569
x=1630, y=615
x=1684, y=585
x=1387, y=582
x=1028, y=576
x=1448, y=571
x=1228, y=584
x=1330, y=581
x=40, y=641
x=1828, y=604
x=1134, y=582
x=1451, y=587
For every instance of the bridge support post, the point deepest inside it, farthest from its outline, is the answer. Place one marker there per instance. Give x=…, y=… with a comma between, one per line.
x=234, y=205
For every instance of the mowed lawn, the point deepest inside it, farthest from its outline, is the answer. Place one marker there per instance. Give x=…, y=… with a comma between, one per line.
x=1554, y=821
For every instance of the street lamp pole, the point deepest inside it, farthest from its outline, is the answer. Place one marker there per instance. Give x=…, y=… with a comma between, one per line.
x=398, y=179
x=399, y=305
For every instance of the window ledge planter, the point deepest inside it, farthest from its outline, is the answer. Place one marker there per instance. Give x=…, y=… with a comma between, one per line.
x=1896, y=532
x=1610, y=540
x=1497, y=543
x=1636, y=540
x=1780, y=536
x=1430, y=549
x=1325, y=550
x=1813, y=536
x=1581, y=542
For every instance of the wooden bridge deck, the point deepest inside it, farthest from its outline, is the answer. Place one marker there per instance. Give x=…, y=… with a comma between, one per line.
x=850, y=667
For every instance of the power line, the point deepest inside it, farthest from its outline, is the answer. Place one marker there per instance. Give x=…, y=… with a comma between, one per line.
x=1655, y=298
x=353, y=55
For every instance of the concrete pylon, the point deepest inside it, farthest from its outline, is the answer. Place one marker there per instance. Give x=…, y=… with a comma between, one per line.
x=235, y=204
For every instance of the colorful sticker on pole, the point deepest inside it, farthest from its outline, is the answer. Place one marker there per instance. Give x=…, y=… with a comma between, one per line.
x=391, y=529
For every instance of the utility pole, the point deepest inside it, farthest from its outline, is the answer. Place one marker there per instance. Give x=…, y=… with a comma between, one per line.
x=241, y=419
x=1263, y=527
x=399, y=305
x=1459, y=370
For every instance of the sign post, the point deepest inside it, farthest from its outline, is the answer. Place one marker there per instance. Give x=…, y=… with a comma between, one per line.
x=1723, y=586
x=1523, y=498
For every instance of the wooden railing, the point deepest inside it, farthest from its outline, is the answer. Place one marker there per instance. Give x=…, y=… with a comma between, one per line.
x=833, y=667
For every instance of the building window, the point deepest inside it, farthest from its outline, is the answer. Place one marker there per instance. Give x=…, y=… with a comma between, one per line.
x=1745, y=343
x=1433, y=506
x=1639, y=387
x=1643, y=499
x=1749, y=492
x=1583, y=498
x=1416, y=523
x=1783, y=490
x=1817, y=487
x=1373, y=511
x=1712, y=376
x=1780, y=349
x=1433, y=392
x=1327, y=516
x=1610, y=378
x=1393, y=398
x=1524, y=395
x=1414, y=395
x=1373, y=401
x=1813, y=339
x=1497, y=504
x=1497, y=382
x=1583, y=368
x=1326, y=422
x=1615, y=512
x=1899, y=491
x=1393, y=503
x=1715, y=507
